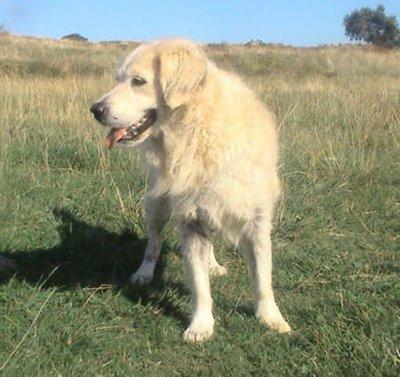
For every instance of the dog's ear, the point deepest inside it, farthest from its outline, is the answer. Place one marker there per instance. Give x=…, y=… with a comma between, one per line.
x=182, y=71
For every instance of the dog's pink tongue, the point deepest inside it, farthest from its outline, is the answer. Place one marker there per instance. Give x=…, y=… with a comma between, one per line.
x=115, y=135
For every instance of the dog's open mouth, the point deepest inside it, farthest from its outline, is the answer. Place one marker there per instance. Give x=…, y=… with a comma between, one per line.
x=133, y=132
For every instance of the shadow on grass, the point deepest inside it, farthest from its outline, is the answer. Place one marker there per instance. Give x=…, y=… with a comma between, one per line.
x=91, y=256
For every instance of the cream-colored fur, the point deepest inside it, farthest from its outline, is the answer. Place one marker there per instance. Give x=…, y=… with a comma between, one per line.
x=212, y=157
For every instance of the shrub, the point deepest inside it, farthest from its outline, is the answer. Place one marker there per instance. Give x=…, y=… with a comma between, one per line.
x=3, y=30
x=75, y=37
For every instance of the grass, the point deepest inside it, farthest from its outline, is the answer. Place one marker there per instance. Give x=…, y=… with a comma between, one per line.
x=71, y=218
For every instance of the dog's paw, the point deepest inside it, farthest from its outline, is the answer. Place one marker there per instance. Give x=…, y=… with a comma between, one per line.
x=200, y=328
x=198, y=332
x=274, y=321
x=140, y=278
x=279, y=325
x=218, y=270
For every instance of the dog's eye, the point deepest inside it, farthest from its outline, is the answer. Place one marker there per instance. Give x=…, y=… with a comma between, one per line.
x=138, y=81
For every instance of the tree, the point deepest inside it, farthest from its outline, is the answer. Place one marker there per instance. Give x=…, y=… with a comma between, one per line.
x=75, y=37
x=372, y=26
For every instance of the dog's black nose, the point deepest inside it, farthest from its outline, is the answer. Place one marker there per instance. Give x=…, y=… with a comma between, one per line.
x=99, y=110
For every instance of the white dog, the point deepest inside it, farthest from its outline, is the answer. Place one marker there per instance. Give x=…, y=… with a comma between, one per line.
x=211, y=150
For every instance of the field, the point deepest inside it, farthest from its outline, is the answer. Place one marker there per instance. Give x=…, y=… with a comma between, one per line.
x=71, y=219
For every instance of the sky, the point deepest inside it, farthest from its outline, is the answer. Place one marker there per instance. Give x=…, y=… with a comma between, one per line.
x=291, y=22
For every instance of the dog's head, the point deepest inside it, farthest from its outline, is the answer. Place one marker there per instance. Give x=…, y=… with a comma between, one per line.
x=153, y=81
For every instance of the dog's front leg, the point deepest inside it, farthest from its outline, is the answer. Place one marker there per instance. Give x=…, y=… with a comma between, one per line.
x=157, y=214
x=196, y=250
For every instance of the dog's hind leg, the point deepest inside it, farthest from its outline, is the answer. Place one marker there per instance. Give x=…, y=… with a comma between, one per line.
x=196, y=250
x=257, y=244
x=215, y=268
x=157, y=214
x=203, y=218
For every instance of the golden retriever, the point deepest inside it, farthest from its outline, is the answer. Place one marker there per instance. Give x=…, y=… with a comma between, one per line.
x=211, y=150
